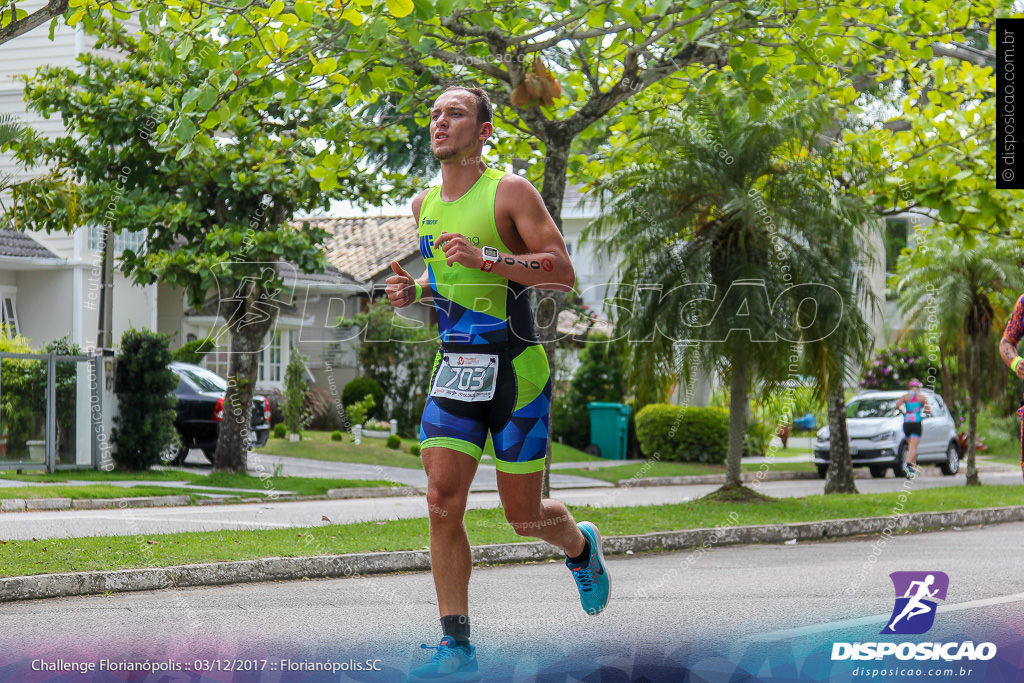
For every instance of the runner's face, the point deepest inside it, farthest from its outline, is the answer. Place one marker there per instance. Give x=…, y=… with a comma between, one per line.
x=454, y=132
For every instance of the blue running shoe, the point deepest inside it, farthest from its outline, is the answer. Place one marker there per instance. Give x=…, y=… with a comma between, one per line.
x=911, y=470
x=592, y=578
x=450, y=663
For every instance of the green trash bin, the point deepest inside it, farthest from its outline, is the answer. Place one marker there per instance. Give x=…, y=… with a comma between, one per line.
x=609, y=429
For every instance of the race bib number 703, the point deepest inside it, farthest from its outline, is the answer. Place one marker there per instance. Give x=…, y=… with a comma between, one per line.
x=466, y=376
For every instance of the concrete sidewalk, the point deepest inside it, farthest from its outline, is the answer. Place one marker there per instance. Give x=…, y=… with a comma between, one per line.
x=485, y=480
x=363, y=564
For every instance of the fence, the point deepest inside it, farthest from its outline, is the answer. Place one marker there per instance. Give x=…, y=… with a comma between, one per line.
x=51, y=411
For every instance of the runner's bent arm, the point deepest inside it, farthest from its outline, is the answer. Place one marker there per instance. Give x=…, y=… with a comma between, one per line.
x=1011, y=337
x=398, y=288
x=546, y=265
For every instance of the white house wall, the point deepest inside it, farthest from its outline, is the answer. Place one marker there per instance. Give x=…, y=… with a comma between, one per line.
x=21, y=56
x=44, y=305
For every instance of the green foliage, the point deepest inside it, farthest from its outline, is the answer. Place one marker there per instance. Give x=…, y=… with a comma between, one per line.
x=21, y=405
x=780, y=407
x=682, y=433
x=414, y=449
x=895, y=365
x=279, y=431
x=757, y=437
x=145, y=399
x=360, y=387
x=398, y=354
x=193, y=351
x=295, y=388
x=394, y=442
x=358, y=411
x=733, y=206
x=336, y=435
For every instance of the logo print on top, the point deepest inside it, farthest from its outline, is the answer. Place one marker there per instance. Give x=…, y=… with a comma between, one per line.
x=916, y=596
x=426, y=246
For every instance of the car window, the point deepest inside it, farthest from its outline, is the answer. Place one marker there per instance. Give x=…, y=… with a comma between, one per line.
x=871, y=407
x=203, y=379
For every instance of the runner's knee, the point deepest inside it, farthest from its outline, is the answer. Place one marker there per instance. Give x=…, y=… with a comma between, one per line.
x=445, y=503
x=524, y=522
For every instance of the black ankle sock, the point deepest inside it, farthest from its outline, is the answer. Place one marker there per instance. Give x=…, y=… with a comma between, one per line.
x=457, y=626
x=583, y=556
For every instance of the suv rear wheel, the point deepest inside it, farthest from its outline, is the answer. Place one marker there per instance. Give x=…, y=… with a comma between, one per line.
x=901, y=458
x=952, y=464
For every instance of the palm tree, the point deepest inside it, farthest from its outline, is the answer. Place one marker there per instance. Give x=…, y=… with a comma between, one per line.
x=955, y=282
x=724, y=229
x=838, y=339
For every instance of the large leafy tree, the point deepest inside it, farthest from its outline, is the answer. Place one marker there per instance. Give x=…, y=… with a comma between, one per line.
x=725, y=230
x=217, y=219
x=572, y=81
x=951, y=286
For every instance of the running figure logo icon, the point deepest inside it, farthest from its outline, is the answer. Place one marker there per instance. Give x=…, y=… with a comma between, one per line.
x=916, y=595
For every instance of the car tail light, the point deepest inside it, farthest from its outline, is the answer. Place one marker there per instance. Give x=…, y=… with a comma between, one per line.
x=266, y=410
x=218, y=410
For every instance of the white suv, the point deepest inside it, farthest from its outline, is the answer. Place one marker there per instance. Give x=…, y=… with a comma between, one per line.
x=877, y=441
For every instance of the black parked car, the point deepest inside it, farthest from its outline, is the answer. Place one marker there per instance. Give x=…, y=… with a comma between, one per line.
x=200, y=411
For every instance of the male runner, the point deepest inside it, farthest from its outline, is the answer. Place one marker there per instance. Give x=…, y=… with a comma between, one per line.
x=486, y=238
x=1008, y=351
x=915, y=402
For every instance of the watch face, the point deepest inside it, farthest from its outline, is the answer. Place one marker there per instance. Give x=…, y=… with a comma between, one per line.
x=490, y=252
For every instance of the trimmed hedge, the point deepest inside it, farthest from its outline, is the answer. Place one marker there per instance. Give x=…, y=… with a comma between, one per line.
x=356, y=391
x=146, y=401
x=683, y=434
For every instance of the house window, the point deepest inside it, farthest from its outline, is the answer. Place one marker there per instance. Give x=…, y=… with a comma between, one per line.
x=272, y=361
x=135, y=241
x=217, y=360
x=275, y=356
x=9, y=317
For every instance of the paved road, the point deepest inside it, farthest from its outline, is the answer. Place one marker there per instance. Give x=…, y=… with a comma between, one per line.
x=277, y=515
x=485, y=480
x=777, y=608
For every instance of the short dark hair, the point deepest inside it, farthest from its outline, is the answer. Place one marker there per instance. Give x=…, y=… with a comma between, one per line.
x=484, y=109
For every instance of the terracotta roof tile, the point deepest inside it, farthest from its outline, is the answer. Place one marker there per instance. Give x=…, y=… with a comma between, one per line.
x=365, y=246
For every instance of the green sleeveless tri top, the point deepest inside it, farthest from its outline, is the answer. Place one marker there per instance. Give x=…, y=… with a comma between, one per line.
x=473, y=306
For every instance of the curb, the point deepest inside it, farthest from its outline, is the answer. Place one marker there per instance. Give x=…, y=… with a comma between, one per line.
x=746, y=477
x=36, y=504
x=341, y=566
x=375, y=492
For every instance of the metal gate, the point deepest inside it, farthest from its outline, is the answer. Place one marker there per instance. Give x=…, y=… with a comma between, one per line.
x=51, y=411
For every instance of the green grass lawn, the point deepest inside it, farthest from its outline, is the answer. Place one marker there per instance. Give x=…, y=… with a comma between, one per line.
x=318, y=446
x=306, y=486
x=782, y=463
x=675, y=469
x=88, y=492
x=484, y=527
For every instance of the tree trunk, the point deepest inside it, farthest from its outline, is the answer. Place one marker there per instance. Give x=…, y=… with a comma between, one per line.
x=972, y=409
x=249, y=321
x=737, y=421
x=547, y=304
x=839, y=478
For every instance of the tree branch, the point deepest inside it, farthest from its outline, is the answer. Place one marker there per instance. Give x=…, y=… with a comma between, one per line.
x=51, y=10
